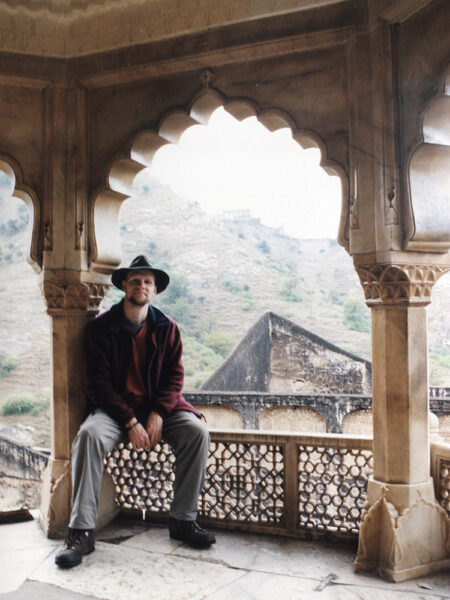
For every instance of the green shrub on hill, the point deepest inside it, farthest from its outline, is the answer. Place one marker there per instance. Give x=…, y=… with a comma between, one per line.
x=177, y=300
x=289, y=290
x=181, y=311
x=7, y=364
x=232, y=287
x=337, y=297
x=356, y=315
x=220, y=342
x=248, y=302
x=264, y=247
x=19, y=403
x=178, y=288
x=199, y=359
x=441, y=356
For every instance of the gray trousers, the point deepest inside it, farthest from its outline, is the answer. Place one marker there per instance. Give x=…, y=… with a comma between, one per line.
x=99, y=434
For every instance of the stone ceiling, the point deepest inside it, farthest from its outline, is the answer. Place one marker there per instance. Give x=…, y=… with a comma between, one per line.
x=65, y=28
x=69, y=28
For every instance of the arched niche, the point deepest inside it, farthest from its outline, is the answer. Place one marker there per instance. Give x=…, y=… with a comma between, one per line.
x=358, y=422
x=444, y=427
x=292, y=418
x=221, y=417
x=18, y=189
x=428, y=186
x=105, y=247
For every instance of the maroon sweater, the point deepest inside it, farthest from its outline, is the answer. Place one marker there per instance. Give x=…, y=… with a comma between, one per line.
x=108, y=353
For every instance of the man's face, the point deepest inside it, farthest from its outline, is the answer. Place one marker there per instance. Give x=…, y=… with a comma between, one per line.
x=139, y=287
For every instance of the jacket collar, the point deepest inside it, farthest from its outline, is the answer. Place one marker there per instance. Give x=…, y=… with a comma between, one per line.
x=155, y=317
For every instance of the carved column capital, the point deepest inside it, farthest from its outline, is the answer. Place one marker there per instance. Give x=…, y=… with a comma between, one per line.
x=399, y=284
x=81, y=296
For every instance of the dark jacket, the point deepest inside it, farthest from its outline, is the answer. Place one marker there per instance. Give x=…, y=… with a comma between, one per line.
x=108, y=352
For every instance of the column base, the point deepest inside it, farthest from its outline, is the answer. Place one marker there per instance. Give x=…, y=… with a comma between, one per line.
x=56, y=498
x=404, y=532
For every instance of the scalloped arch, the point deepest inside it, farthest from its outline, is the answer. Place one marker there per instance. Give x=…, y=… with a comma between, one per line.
x=18, y=189
x=428, y=208
x=105, y=206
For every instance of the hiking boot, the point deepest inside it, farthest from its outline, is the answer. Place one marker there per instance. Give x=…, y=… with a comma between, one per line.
x=78, y=543
x=191, y=533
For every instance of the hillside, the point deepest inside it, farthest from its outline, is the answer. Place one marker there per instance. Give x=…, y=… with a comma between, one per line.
x=226, y=272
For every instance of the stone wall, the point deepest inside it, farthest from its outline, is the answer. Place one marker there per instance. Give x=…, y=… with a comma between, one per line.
x=248, y=366
x=280, y=357
x=21, y=470
x=20, y=461
x=341, y=413
x=332, y=408
x=302, y=362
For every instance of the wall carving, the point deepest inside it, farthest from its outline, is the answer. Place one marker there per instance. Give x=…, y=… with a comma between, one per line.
x=399, y=283
x=74, y=296
x=78, y=27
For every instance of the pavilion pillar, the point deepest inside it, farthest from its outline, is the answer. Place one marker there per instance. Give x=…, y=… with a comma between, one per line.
x=404, y=532
x=71, y=304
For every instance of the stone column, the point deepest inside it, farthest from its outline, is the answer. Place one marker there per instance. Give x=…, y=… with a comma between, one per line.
x=404, y=532
x=70, y=305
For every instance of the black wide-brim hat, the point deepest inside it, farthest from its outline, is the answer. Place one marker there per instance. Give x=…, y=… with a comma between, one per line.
x=138, y=264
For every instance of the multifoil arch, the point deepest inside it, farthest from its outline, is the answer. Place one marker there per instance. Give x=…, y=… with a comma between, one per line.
x=18, y=189
x=105, y=206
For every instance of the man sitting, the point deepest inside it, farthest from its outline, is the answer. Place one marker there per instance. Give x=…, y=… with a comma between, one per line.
x=134, y=379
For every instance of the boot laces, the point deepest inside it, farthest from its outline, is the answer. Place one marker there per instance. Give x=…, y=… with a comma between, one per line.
x=75, y=538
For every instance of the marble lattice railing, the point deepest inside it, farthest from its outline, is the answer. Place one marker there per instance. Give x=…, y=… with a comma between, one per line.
x=440, y=471
x=283, y=483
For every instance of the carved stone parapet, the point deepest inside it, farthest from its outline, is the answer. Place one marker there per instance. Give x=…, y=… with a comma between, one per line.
x=399, y=283
x=74, y=296
x=404, y=532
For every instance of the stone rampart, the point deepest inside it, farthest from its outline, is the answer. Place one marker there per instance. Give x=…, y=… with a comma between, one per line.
x=20, y=461
x=333, y=407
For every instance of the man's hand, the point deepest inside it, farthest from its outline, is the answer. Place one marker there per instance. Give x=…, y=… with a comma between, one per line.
x=139, y=437
x=153, y=428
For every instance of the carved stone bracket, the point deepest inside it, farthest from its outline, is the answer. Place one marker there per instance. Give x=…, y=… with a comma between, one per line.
x=399, y=283
x=74, y=296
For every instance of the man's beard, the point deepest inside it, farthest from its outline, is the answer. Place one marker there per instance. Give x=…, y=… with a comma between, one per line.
x=135, y=302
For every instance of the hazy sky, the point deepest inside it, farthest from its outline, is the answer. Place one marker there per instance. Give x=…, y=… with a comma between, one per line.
x=233, y=165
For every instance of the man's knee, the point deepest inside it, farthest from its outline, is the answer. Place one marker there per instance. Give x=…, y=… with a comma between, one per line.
x=88, y=435
x=199, y=430
x=191, y=432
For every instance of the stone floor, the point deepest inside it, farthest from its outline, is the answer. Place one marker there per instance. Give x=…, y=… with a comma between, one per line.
x=136, y=560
